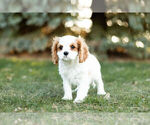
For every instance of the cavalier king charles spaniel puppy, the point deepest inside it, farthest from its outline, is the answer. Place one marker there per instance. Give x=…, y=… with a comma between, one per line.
x=76, y=67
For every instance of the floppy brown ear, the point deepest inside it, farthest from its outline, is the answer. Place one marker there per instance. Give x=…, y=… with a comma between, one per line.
x=82, y=49
x=54, y=50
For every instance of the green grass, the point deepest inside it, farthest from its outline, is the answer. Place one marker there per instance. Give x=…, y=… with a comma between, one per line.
x=35, y=86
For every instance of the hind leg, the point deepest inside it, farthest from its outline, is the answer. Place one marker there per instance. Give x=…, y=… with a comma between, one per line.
x=100, y=86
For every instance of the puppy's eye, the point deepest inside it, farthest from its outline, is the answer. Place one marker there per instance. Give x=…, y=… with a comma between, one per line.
x=60, y=47
x=72, y=47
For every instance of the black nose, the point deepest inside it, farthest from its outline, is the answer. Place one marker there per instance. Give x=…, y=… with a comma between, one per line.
x=66, y=53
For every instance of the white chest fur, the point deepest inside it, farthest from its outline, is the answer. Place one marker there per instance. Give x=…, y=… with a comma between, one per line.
x=73, y=71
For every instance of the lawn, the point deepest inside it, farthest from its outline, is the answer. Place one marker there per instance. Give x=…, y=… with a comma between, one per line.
x=35, y=86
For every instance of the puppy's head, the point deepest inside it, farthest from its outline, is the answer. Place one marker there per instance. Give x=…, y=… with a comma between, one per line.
x=69, y=48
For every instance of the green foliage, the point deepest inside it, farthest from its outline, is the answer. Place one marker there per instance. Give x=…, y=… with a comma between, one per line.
x=132, y=30
x=31, y=32
x=35, y=5
x=27, y=31
x=36, y=18
x=135, y=23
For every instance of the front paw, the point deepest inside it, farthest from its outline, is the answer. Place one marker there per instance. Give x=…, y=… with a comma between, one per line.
x=78, y=101
x=67, y=98
x=101, y=93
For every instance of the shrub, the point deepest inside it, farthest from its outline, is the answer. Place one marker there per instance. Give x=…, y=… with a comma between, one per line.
x=28, y=31
x=127, y=33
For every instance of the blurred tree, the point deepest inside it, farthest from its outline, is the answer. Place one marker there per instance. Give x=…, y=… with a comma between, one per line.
x=128, y=34
x=112, y=32
x=28, y=31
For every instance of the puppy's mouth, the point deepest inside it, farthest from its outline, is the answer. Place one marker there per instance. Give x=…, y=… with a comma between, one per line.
x=66, y=58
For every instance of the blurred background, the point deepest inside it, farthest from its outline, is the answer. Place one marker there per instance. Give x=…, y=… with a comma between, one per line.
x=111, y=33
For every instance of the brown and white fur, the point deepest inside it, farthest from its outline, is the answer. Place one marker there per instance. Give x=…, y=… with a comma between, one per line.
x=76, y=67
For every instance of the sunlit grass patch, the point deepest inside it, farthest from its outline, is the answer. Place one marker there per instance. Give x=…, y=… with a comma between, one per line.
x=31, y=85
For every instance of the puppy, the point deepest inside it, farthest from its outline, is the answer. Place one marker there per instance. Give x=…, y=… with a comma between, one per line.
x=76, y=67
